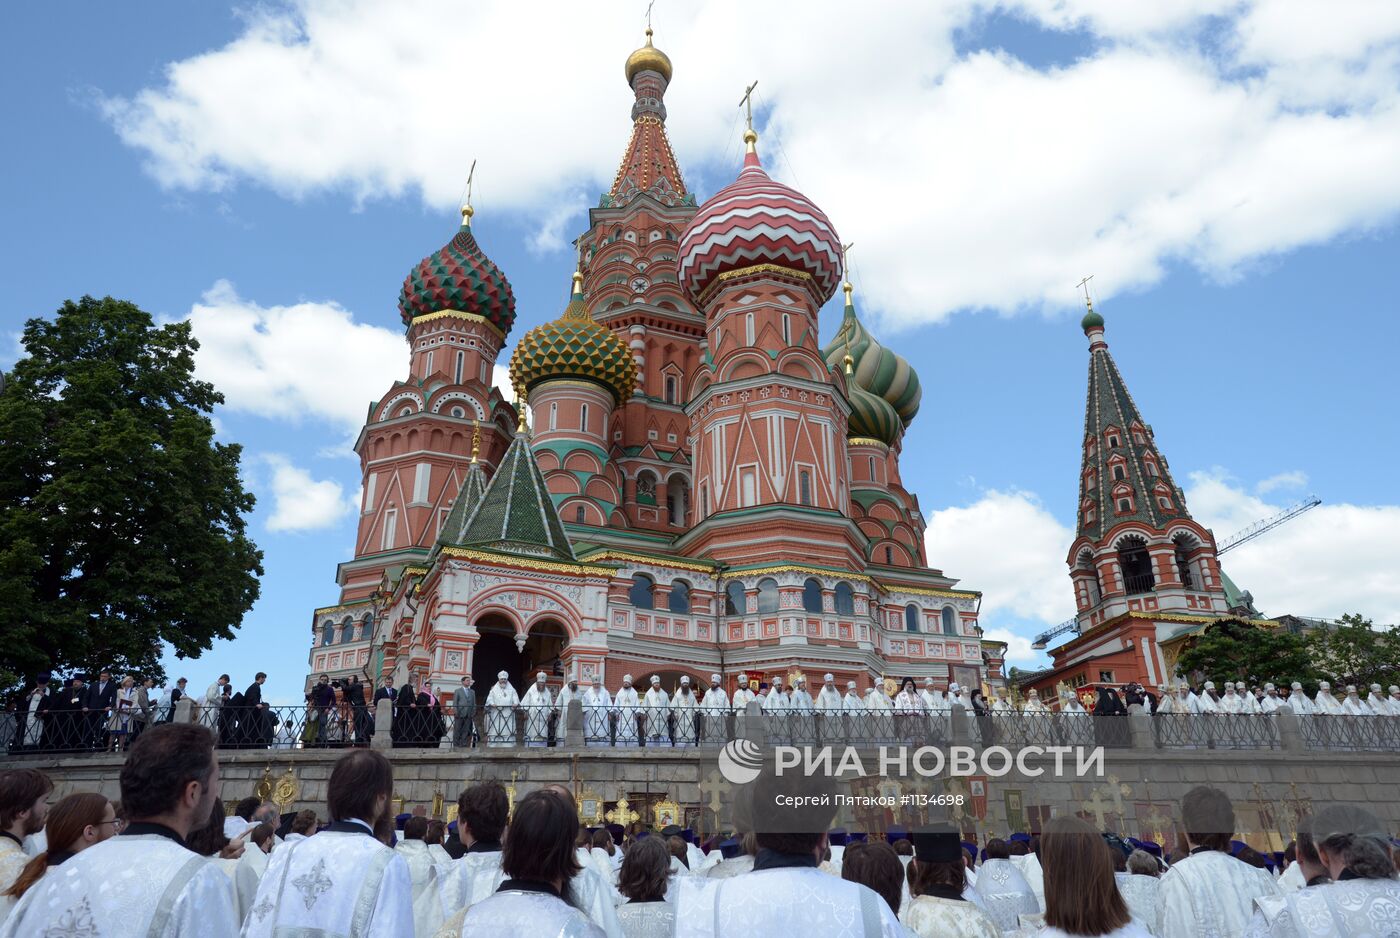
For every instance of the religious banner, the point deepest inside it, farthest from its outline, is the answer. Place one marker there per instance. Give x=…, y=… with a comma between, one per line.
x=666, y=813
x=1037, y=815
x=1014, y=803
x=977, y=796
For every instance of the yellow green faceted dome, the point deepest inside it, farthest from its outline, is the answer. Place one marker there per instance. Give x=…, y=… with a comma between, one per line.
x=874, y=368
x=574, y=346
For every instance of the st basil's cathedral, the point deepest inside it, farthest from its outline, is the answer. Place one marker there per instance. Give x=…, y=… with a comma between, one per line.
x=702, y=485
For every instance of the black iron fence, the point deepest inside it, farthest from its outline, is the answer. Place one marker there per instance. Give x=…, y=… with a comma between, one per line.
x=1344, y=732
x=1216, y=731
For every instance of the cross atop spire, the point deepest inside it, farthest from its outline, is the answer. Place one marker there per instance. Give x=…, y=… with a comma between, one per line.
x=746, y=102
x=467, y=210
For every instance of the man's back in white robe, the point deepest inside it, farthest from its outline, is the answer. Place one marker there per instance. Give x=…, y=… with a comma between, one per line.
x=783, y=901
x=339, y=883
x=131, y=886
x=521, y=914
x=1354, y=908
x=1210, y=894
x=421, y=863
x=476, y=876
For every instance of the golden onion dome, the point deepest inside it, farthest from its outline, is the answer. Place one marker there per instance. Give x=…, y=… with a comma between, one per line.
x=574, y=346
x=648, y=58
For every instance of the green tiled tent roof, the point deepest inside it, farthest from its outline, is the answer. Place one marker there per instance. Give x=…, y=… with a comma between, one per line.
x=472, y=489
x=515, y=514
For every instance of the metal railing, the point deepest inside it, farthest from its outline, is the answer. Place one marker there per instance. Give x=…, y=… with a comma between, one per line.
x=1215, y=731
x=1347, y=733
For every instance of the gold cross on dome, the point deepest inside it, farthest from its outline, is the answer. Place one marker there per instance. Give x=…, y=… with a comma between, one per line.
x=649, y=6
x=1084, y=284
x=746, y=102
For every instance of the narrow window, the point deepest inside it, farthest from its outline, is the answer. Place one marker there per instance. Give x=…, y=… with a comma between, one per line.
x=734, y=599
x=679, y=599
x=578, y=513
x=748, y=487
x=670, y=389
x=767, y=595
x=1118, y=474
x=428, y=364
x=845, y=600
x=391, y=522
x=787, y=329
x=641, y=591
x=1124, y=505
x=420, y=482
x=889, y=555
x=461, y=365
x=911, y=618
x=804, y=488
x=553, y=414
x=950, y=621
x=872, y=468
x=812, y=595
x=370, y=486
x=748, y=329
x=583, y=417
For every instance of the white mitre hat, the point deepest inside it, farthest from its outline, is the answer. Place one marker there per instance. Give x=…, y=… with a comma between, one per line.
x=539, y=677
x=1269, y=687
x=1323, y=685
x=1394, y=689
x=627, y=679
x=777, y=681
x=1297, y=685
x=928, y=682
x=828, y=677
x=1351, y=688
x=655, y=679
x=715, y=678
x=850, y=685
x=1375, y=688
x=1210, y=685
x=502, y=676
x=685, y=678
x=743, y=677
x=954, y=687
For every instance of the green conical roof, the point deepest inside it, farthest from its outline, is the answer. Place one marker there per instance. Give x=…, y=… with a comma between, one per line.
x=515, y=514
x=473, y=488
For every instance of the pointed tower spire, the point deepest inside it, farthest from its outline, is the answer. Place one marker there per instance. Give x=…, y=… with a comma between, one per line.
x=515, y=514
x=473, y=486
x=648, y=165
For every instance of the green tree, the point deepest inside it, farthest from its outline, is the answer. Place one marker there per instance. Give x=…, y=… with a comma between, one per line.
x=1356, y=652
x=121, y=519
x=1232, y=650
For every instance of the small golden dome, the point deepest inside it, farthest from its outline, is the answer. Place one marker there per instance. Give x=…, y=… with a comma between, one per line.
x=648, y=57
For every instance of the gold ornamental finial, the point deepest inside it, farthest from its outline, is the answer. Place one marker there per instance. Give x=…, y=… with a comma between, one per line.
x=1088, y=301
x=520, y=403
x=847, y=288
x=850, y=362
x=578, y=283
x=746, y=102
x=476, y=439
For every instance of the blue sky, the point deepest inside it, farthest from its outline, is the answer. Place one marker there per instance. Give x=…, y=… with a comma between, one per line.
x=1258, y=341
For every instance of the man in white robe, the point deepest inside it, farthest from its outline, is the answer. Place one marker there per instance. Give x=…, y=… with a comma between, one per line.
x=597, y=703
x=658, y=708
x=1376, y=702
x=1326, y=702
x=1209, y=892
x=776, y=705
x=802, y=718
x=1393, y=701
x=742, y=694
x=421, y=863
x=341, y=883
x=537, y=704
x=877, y=724
x=1036, y=723
x=143, y=882
x=24, y=796
x=937, y=708
x=1271, y=701
x=828, y=707
x=567, y=693
x=714, y=711
x=501, y=704
x=684, y=705
x=1005, y=892
x=628, y=708
x=1298, y=701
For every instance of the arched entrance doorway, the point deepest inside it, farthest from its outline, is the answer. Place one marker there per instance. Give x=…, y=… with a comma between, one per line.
x=495, y=652
x=545, y=650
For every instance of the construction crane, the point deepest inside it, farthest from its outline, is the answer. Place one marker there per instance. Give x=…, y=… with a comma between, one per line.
x=1249, y=533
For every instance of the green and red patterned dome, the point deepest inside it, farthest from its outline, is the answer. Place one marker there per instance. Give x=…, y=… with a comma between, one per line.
x=458, y=277
x=877, y=371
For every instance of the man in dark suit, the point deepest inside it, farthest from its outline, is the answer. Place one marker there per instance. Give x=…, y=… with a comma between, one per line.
x=66, y=726
x=101, y=698
x=256, y=728
x=323, y=702
x=177, y=694
x=359, y=710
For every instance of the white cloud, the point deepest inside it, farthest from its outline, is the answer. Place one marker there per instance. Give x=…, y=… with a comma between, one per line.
x=1326, y=562
x=1007, y=545
x=1209, y=131
x=1283, y=480
x=307, y=360
x=302, y=503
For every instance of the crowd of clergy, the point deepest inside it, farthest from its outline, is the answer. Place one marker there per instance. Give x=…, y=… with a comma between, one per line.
x=166, y=862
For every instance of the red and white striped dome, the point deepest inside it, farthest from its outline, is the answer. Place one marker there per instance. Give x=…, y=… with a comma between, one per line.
x=753, y=221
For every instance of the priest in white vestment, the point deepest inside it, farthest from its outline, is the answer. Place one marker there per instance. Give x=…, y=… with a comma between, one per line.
x=1075, y=725
x=1036, y=723
x=828, y=707
x=684, y=706
x=343, y=882
x=1271, y=701
x=776, y=705
x=714, y=711
x=414, y=850
x=877, y=725
x=597, y=703
x=1004, y=891
x=1298, y=701
x=501, y=704
x=742, y=694
x=1209, y=892
x=1376, y=702
x=144, y=881
x=802, y=716
x=1326, y=702
x=1354, y=706
x=628, y=708
x=538, y=705
x=658, y=708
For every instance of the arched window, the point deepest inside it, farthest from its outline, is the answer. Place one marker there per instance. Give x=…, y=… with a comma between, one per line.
x=889, y=555
x=579, y=514
x=872, y=467
x=646, y=487
x=804, y=488
x=734, y=599
x=641, y=592
x=812, y=595
x=950, y=621
x=347, y=631
x=553, y=414
x=583, y=417
x=787, y=329
x=1119, y=474
x=461, y=364
x=670, y=392
x=1086, y=562
x=1136, y=565
x=1184, y=545
x=911, y=618
x=748, y=329
x=679, y=600
x=328, y=634
x=767, y=595
x=845, y=600
x=367, y=628
x=677, y=499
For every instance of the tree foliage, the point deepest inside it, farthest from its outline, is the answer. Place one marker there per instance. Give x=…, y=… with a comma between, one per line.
x=1233, y=650
x=1356, y=652
x=121, y=519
